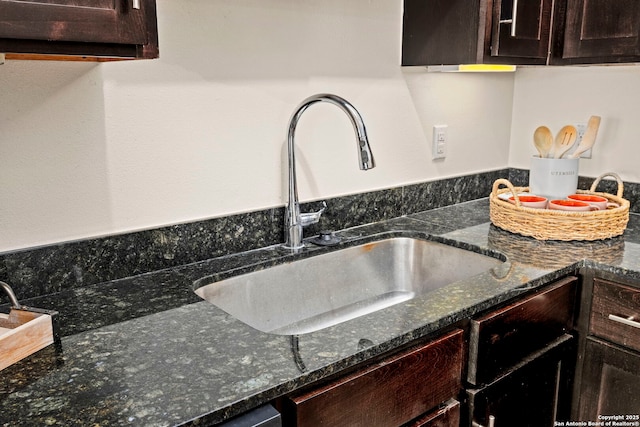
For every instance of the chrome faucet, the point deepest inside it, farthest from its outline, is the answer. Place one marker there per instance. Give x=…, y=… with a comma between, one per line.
x=293, y=219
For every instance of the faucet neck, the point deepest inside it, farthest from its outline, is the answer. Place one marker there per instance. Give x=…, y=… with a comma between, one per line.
x=293, y=222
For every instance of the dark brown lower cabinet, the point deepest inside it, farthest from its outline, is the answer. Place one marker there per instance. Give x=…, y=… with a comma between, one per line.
x=521, y=361
x=534, y=394
x=610, y=383
x=390, y=393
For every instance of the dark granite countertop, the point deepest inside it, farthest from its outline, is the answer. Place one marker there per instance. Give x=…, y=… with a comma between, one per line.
x=146, y=351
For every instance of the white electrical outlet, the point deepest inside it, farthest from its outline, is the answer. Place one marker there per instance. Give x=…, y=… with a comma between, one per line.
x=581, y=128
x=439, y=143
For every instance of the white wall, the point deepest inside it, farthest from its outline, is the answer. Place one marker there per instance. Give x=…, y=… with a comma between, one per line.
x=555, y=96
x=94, y=149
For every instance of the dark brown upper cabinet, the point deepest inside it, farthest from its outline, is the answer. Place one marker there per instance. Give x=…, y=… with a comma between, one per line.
x=450, y=32
x=78, y=29
x=596, y=31
x=524, y=32
x=520, y=29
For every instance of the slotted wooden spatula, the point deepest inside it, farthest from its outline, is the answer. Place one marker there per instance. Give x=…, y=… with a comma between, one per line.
x=564, y=141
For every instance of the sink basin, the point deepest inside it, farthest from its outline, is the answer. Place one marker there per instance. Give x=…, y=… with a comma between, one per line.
x=314, y=293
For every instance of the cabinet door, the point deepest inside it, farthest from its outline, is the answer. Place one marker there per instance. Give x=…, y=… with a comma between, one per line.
x=534, y=394
x=610, y=382
x=606, y=29
x=521, y=28
x=60, y=26
x=437, y=32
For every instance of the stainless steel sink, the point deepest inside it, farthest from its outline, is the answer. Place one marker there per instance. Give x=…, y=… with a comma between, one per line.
x=321, y=291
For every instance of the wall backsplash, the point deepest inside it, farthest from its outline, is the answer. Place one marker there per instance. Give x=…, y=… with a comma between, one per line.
x=50, y=269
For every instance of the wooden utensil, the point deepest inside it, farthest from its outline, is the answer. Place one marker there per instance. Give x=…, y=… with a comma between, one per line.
x=543, y=140
x=589, y=137
x=564, y=141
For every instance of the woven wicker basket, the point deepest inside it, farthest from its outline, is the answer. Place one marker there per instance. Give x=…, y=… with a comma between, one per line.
x=546, y=224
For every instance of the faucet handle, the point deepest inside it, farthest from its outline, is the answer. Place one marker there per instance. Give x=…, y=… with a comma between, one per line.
x=312, y=217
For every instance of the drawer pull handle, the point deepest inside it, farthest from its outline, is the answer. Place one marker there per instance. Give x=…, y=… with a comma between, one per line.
x=136, y=4
x=625, y=320
x=513, y=31
x=512, y=21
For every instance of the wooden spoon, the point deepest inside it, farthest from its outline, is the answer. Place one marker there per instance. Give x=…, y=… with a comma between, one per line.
x=589, y=137
x=564, y=141
x=543, y=140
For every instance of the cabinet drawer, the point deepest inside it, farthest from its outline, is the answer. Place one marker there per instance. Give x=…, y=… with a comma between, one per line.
x=615, y=313
x=501, y=339
x=389, y=393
